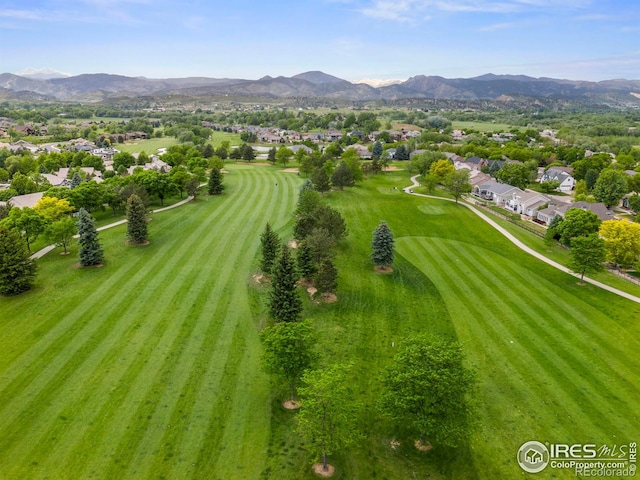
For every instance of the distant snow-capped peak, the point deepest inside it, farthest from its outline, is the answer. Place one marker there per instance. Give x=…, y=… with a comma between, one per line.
x=380, y=82
x=42, y=73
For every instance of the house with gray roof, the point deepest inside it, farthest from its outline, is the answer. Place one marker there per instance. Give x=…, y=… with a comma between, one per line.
x=28, y=200
x=561, y=208
x=500, y=193
x=566, y=180
x=526, y=203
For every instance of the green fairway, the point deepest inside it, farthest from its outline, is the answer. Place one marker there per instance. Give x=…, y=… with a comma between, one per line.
x=148, y=367
x=149, y=146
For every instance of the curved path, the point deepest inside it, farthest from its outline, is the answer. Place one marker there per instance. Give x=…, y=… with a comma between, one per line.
x=41, y=253
x=521, y=245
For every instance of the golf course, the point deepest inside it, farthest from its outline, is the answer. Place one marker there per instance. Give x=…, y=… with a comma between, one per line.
x=149, y=366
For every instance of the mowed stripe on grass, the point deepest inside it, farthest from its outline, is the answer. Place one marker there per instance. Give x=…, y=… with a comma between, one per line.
x=158, y=361
x=552, y=368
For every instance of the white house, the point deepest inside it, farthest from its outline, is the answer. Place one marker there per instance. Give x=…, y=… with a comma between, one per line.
x=526, y=203
x=567, y=182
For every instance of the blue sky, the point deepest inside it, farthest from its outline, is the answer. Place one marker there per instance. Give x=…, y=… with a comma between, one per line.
x=351, y=39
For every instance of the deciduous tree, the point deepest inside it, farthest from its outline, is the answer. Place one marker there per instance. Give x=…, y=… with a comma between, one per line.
x=320, y=180
x=342, y=176
x=610, y=187
x=27, y=222
x=457, y=183
x=428, y=388
x=514, y=174
x=587, y=255
x=577, y=223
x=53, y=209
x=622, y=241
x=61, y=232
x=327, y=417
x=288, y=351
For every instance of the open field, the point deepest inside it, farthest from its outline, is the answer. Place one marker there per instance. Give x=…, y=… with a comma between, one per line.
x=149, y=366
x=483, y=126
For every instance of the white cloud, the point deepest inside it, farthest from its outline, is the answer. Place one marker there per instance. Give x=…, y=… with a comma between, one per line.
x=406, y=10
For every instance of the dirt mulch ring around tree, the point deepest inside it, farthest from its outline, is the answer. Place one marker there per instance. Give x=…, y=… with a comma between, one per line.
x=79, y=265
x=291, y=405
x=141, y=244
x=423, y=447
x=383, y=270
x=328, y=298
x=260, y=279
x=290, y=170
x=312, y=291
x=319, y=470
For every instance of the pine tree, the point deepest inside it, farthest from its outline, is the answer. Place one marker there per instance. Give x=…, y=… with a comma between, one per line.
x=76, y=180
x=91, y=252
x=270, y=243
x=326, y=280
x=306, y=265
x=377, y=150
x=215, y=182
x=17, y=270
x=137, y=221
x=382, y=246
x=285, y=304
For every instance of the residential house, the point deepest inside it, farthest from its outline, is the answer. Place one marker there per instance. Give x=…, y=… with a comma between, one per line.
x=28, y=200
x=475, y=163
x=560, y=174
x=478, y=178
x=332, y=135
x=363, y=151
x=296, y=148
x=556, y=208
x=500, y=193
x=527, y=202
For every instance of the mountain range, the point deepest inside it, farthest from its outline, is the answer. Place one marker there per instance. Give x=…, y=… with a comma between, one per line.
x=315, y=84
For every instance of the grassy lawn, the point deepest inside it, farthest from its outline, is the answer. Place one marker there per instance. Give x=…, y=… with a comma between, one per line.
x=483, y=126
x=218, y=137
x=149, y=366
x=150, y=146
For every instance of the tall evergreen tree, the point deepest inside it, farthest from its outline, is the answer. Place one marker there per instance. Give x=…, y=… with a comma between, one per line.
x=91, y=252
x=76, y=180
x=377, y=150
x=306, y=265
x=17, y=270
x=285, y=304
x=270, y=243
x=382, y=246
x=215, y=182
x=326, y=280
x=137, y=222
